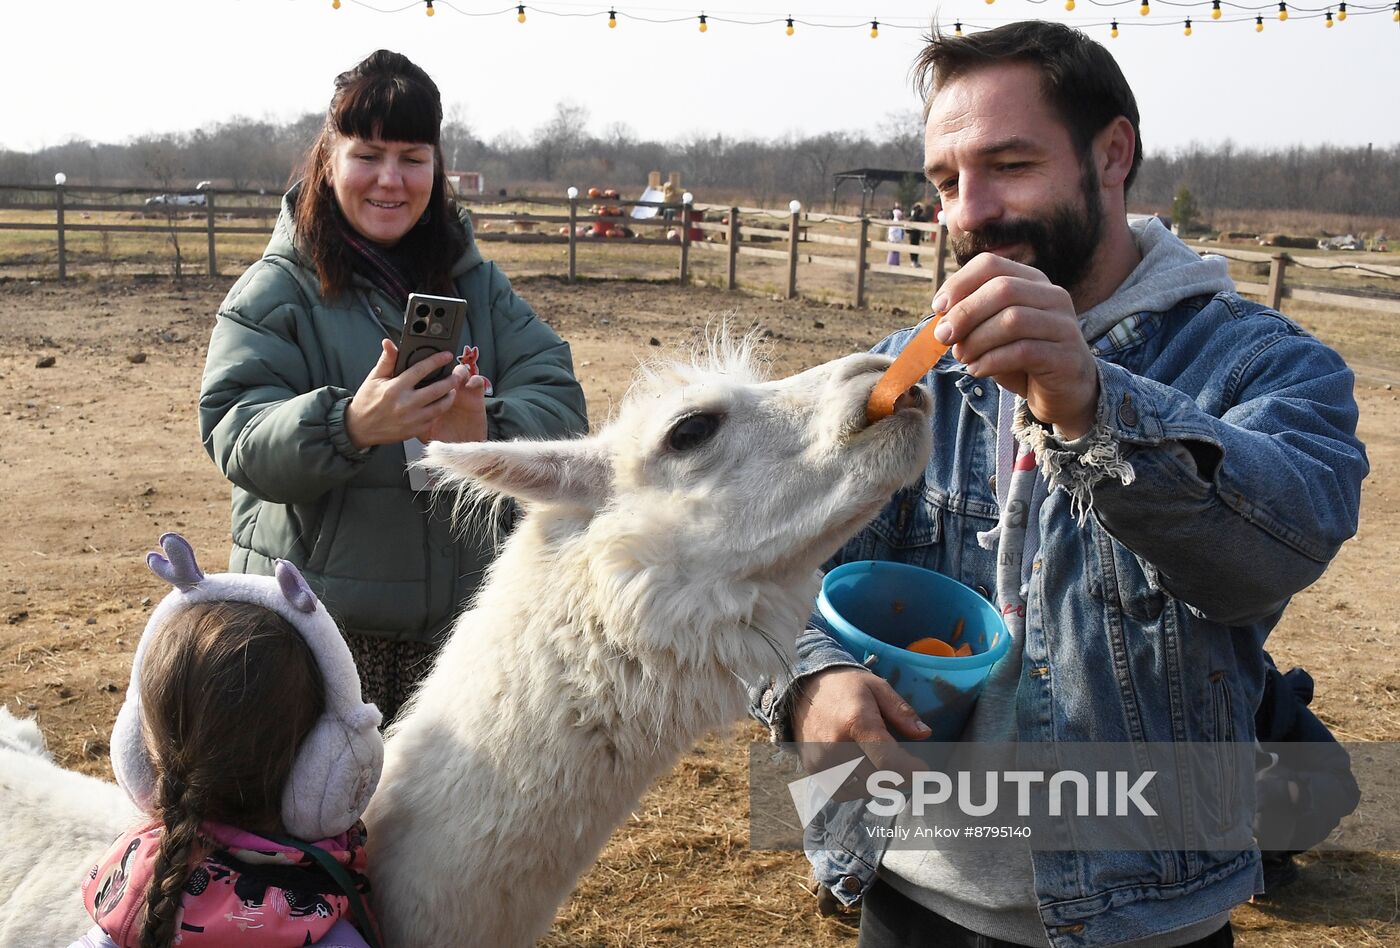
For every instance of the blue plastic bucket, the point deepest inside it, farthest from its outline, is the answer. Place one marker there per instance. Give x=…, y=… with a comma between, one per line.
x=875, y=609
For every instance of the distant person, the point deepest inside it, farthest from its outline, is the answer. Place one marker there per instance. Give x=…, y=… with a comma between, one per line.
x=300, y=408
x=895, y=234
x=1136, y=465
x=917, y=214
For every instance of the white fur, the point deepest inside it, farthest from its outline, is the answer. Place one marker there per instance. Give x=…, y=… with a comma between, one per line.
x=54, y=825
x=613, y=630
x=611, y=634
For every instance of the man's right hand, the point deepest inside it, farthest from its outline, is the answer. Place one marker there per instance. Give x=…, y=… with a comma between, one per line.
x=846, y=705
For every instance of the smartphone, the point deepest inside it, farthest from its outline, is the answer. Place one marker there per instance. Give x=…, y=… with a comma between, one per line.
x=431, y=324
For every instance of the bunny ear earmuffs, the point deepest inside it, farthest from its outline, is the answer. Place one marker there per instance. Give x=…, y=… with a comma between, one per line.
x=337, y=766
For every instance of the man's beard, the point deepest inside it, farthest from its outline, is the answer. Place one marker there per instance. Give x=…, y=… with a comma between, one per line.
x=1062, y=243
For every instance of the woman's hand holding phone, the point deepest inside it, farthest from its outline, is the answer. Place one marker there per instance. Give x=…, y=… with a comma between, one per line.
x=465, y=417
x=387, y=408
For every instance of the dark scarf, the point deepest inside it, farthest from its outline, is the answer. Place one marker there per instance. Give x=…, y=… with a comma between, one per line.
x=388, y=269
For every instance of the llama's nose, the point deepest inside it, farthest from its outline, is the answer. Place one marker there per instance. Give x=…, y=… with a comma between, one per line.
x=914, y=398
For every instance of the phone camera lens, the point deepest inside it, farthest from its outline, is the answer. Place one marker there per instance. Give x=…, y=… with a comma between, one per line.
x=419, y=326
x=422, y=309
x=435, y=329
x=439, y=312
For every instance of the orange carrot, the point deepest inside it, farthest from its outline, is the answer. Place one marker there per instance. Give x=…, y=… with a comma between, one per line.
x=957, y=631
x=919, y=355
x=963, y=650
x=931, y=646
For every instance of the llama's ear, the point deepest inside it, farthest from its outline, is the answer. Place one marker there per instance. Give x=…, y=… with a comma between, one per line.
x=576, y=473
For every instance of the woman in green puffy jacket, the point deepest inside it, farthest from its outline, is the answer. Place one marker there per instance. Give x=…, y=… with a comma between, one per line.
x=300, y=407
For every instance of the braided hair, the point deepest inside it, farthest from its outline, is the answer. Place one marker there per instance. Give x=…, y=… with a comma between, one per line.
x=229, y=690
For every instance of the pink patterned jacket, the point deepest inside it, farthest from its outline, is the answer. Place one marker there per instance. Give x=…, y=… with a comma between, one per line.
x=244, y=889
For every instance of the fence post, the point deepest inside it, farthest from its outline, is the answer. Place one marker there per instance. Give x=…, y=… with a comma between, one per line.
x=1278, y=263
x=573, y=234
x=686, y=198
x=59, y=180
x=940, y=257
x=732, y=281
x=209, y=219
x=862, y=247
x=796, y=207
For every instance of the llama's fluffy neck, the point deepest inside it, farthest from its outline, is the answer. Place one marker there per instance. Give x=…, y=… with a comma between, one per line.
x=637, y=628
x=573, y=684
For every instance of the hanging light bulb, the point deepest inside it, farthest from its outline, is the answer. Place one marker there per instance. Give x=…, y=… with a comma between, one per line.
x=612, y=19
x=1282, y=11
x=430, y=7
x=874, y=29
x=990, y=2
x=703, y=25
x=790, y=30
x=1328, y=24
x=1144, y=9
x=1069, y=5
x=1341, y=11
x=1113, y=31
x=1258, y=24
x=1215, y=9
x=1396, y=15
x=957, y=28
x=335, y=4
x=520, y=13
x=1188, y=26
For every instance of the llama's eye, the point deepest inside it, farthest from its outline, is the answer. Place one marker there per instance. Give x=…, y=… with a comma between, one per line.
x=692, y=431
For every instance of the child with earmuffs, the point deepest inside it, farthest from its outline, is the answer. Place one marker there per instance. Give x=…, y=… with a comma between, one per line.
x=244, y=738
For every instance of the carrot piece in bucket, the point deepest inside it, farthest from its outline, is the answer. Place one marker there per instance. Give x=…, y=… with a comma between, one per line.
x=931, y=646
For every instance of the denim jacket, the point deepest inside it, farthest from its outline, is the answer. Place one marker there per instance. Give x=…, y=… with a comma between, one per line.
x=1147, y=616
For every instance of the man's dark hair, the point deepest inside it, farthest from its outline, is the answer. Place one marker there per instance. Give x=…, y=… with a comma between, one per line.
x=1079, y=78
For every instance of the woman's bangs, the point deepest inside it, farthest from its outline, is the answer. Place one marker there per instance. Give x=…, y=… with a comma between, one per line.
x=389, y=110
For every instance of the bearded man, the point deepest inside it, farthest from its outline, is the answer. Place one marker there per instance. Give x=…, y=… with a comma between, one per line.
x=1135, y=464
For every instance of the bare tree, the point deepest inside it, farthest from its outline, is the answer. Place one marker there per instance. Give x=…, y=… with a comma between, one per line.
x=560, y=139
x=162, y=160
x=619, y=135
x=903, y=131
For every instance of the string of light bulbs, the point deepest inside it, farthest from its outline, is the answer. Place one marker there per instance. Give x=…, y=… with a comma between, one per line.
x=1330, y=14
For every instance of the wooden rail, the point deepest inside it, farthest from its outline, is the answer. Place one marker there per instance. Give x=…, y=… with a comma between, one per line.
x=1276, y=290
x=792, y=237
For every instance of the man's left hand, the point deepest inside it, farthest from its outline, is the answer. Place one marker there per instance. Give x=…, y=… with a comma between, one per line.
x=1006, y=321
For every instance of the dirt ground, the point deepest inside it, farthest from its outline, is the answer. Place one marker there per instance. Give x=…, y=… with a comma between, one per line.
x=99, y=454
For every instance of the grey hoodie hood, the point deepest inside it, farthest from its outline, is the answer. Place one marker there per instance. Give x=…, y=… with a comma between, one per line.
x=1169, y=272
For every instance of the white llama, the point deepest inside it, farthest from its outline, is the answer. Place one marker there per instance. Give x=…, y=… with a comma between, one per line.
x=54, y=824
x=657, y=562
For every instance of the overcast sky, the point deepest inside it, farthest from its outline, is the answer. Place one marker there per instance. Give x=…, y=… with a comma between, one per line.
x=107, y=70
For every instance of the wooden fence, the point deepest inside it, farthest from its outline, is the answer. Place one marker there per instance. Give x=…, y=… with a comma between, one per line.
x=791, y=237
x=1276, y=290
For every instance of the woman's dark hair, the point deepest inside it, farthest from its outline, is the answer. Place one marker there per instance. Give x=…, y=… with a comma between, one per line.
x=385, y=97
x=1079, y=78
x=229, y=690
